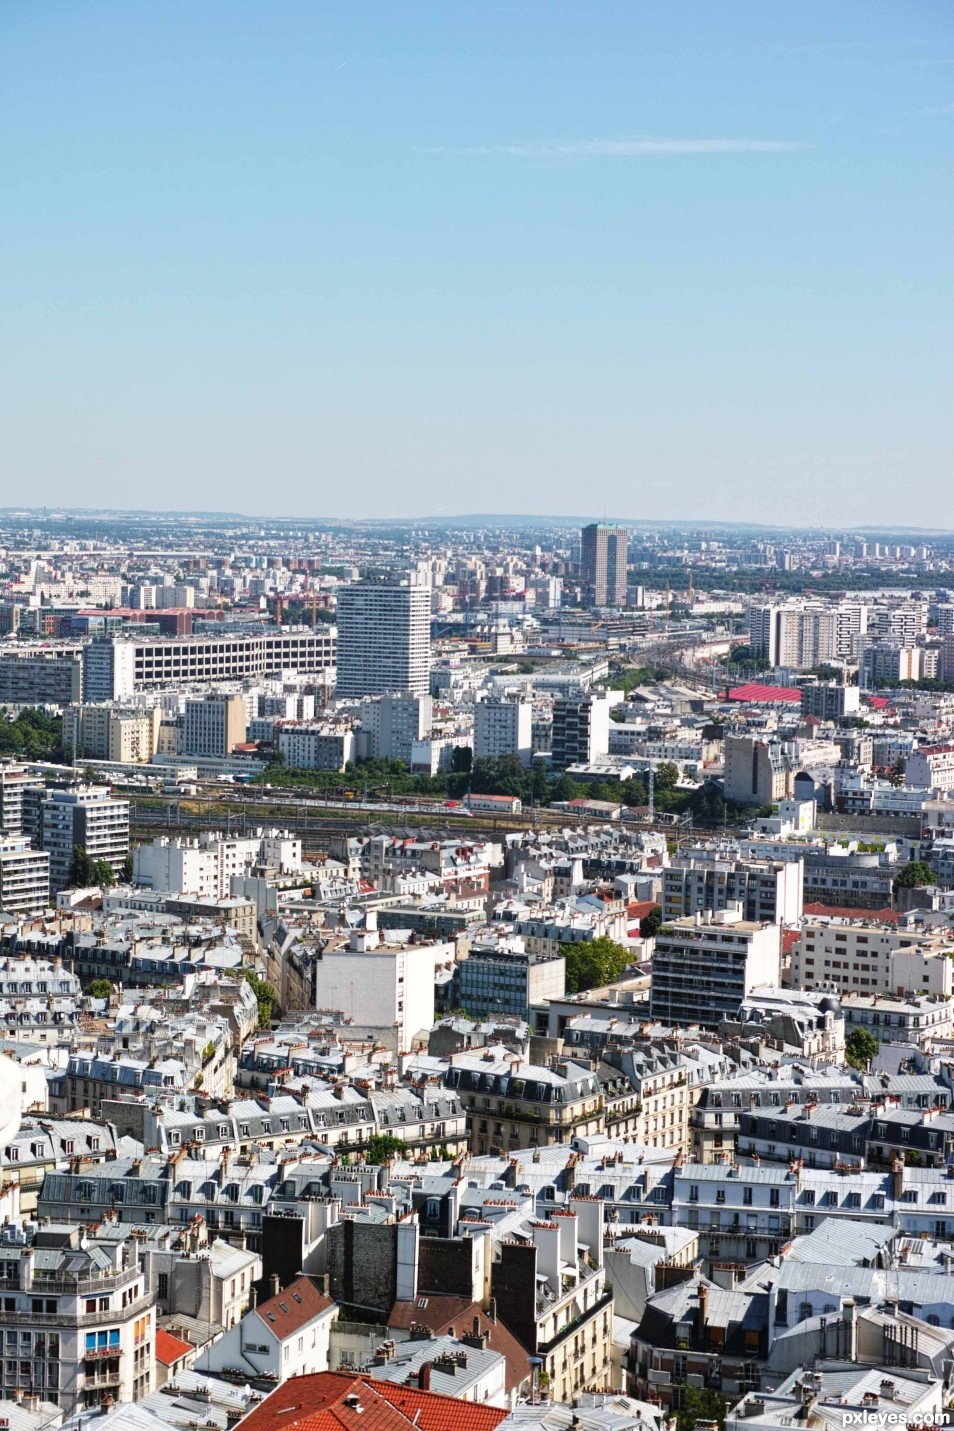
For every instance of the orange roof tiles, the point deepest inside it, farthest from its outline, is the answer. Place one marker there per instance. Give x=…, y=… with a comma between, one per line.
x=320, y=1403
x=170, y=1349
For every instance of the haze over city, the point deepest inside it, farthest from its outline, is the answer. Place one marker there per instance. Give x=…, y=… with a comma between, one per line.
x=426, y=258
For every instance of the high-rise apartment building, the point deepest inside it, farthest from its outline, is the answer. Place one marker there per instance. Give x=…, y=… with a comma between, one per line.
x=704, y=966
x=580, y=729
x=503, y=727
x=604, y=560
x=84, y=817
x=214, y=725
x=24, y=876
x=384, y=638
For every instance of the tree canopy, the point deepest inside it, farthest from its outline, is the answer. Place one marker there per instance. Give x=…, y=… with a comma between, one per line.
x=916, y=872
x=593, y=962
x=861, y=1047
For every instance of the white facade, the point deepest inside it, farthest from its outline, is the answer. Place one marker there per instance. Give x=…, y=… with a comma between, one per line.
x=503, y=727
x=24, y=876
x=703, y=967
x=384, y=638
x=382, y=985
x=315, y=746
x=867, y=958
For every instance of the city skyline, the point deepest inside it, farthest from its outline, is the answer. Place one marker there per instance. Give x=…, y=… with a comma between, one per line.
x=365, y=262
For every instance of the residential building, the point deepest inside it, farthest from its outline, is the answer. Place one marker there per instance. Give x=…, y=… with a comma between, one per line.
x=603, y=563
x=214, y=725
x=866, y=957
x=334, y=1398
x=499, y=979
x=703, y=967
x=757, y=770
x=109, y=732
x=24, y=876
x=766, y=890
x=14, y=804
x=396, y=723
x=115, y=667
x=381, y=985
x=551, y=1293
x=513, y=1104
x=315, y=745
x=931, y=766
x=580, y=728
x=84, y=817
x=384, y=638
x=503, y=727
x=829, y=700
x=78, y=1325
x=39, y=678
x=286, y=1336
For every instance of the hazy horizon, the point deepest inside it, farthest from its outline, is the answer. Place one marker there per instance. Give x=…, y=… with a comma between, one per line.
x=432, y=258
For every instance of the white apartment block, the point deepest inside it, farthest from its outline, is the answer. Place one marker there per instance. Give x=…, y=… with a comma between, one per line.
x=86, y=816
x=803, y=634
x=204, y=868
x=503, y=727
x=76, y=1328
x=855, y=957
x=313, y=745
x=765, y=890
x=703, y=967
x=931, y=766
x=24, y=876
x=384, y=638
x=392, y=723
x=580, y=729
x=891, y=661
x=381, y=985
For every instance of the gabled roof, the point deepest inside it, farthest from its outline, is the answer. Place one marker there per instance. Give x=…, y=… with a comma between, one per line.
x=294, y=1307
x=456, y=1316
x=170, y=1349
x=320, y=1403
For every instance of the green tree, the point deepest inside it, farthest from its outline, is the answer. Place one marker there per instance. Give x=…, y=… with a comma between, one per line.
x=915, y=872
x=650, y=926
x=462, y=759
x=699, y=1404
x=593, y=963
x=566, y=788
x=127, y=870
x=102, y=873
x=264, y=994
x=666, y=775
x=99, y=988
x=81, y=866
x=383, y=1146
x=861, y=1047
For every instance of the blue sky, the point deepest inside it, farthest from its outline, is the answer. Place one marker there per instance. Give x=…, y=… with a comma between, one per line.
x=374, y=259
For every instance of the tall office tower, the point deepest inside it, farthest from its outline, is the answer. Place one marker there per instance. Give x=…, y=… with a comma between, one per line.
x=604, y=557
x=384, y=638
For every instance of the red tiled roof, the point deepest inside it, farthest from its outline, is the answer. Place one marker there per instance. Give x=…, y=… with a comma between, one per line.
x=837, y=911
x=293, y=1308
x=769, y=695
x=790, y=938
x=317, y=1403
x=639, y=908
x=170, y=1349
x=878, y=703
